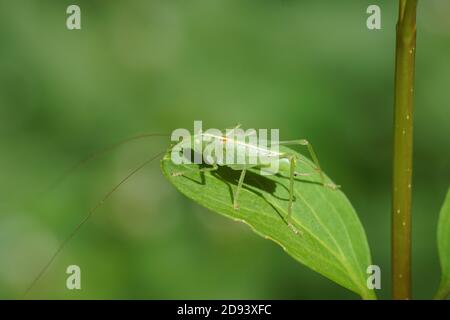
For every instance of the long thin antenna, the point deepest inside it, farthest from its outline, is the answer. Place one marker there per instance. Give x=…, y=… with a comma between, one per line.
x=99, y=152
x=89, y=215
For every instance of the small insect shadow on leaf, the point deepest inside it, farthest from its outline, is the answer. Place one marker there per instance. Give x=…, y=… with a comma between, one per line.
x=254, y=182
x=258, y=181
x=252, y=179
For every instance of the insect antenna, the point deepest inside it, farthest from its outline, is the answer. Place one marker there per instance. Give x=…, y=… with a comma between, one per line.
x=88, y=216
x=98, y=153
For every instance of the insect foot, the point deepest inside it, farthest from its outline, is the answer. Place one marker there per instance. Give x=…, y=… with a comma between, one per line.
x=298, y=174
x=236, y=206
x=176, y=174
x=332, y=186
x=294, y=229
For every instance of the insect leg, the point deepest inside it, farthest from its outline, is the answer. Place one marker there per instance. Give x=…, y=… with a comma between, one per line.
x=293, y=165
x=209, y=169
x=304, y=142
x=238, y=189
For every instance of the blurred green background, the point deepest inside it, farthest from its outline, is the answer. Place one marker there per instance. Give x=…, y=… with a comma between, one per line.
x=310, y=68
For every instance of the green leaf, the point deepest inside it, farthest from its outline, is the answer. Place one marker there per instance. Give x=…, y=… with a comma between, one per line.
x=331, y=240
x=443, y=238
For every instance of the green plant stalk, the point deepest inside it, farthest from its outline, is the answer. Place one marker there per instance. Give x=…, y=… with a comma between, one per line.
x=403, y=150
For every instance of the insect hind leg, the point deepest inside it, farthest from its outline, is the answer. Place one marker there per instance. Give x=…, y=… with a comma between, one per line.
x=238, y=189
x=292, y=165
x=304, y=142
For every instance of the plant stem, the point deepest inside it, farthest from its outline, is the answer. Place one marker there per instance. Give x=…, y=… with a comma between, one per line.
x=403, y=150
